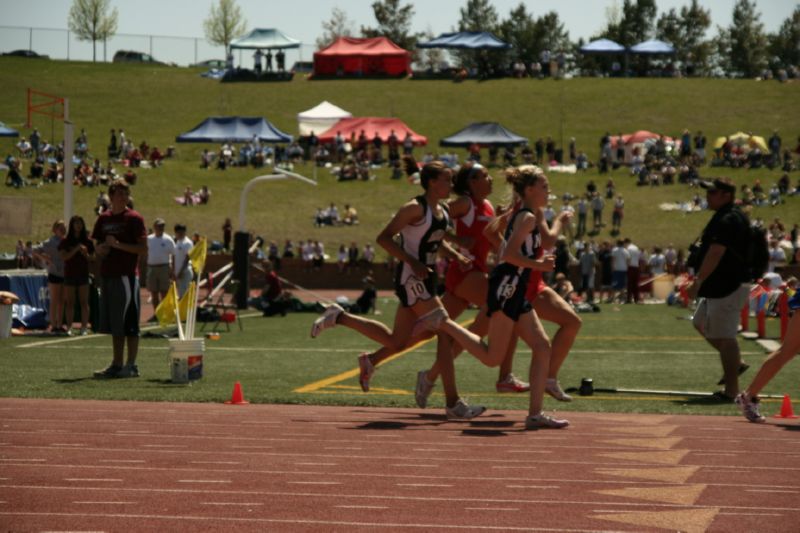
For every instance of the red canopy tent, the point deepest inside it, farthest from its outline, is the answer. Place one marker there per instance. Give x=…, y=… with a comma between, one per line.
x=371, y=125
x=640, y=139
x=363, y=57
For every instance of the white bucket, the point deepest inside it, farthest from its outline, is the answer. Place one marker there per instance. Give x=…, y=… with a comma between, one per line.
x=5, y=320
x=663, y=286
x=186, y=359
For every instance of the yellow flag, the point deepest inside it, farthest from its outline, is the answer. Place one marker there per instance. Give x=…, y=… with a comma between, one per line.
x=165, y=312
x=197, y=255
x=187, y=301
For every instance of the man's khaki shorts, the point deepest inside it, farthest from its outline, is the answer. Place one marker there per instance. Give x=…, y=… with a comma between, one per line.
x=718, y=318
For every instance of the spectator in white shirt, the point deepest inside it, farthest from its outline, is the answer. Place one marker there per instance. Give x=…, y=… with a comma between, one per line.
x=634, y=271
x=160, y=258
x=182, y=264
x=619, y=269
x=777, y=257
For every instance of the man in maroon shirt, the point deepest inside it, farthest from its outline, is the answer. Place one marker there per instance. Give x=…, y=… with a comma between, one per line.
x=120, y=238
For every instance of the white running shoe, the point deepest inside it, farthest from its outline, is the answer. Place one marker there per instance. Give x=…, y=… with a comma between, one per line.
x=367, y=370
x=749, y=407
x=326, y=320
x=543, y=421
x=462, y=411
x=423, y=390
x=553, y=388
x=430, y=321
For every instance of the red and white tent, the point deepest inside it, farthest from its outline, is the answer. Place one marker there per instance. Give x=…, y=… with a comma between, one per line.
x=371, y=125
x=642, y=140
x=348, y=56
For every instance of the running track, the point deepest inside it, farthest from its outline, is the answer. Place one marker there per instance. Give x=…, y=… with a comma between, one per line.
x=130, y=466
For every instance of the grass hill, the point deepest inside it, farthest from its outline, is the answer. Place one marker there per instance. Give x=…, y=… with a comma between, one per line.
x=157, y=103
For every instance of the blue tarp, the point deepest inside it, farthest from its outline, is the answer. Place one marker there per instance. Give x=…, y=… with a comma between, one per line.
x=234, y=129
x=472, y=40
x=602, y=46
x=653, y=46
x=483, y=133
x=5, y=131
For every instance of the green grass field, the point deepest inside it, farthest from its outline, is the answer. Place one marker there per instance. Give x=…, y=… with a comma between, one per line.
x=158, y=103
x=639, y=347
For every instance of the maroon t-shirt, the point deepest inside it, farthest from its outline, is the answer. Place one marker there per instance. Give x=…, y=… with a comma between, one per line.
x=128, y=227
x=76, y=266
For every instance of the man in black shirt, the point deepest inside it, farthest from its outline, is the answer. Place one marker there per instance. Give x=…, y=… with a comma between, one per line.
x=722, y=279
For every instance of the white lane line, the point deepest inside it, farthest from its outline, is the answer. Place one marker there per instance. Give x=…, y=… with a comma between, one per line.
x=70, y=444
x=530, y=451
x=133, y=432
x=164, y=446
x=430, y=450
x=342, y=448
x=106, y=480
x=772, y=490
x=531, y=486
x=252, y=447
x=314, y=482
x=415, y=466
x=248, y=504
x=491, y=509
x=24, y=460
x=103, y=503
x=204, y=481
x=382, y=436
x=317, y=464
x=360, y=507
x=749, y=514
x=499, y=467
x=715, y=453
x=297, y=435
x=423, y=485
x=215, y=462
x=121, y=461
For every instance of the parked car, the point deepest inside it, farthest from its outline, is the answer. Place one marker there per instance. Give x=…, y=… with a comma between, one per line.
x=25, y=53
x=210, y=63
x=131, y=56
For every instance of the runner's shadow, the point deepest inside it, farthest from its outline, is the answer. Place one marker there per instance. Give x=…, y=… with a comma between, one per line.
x=383, y=424
x=789, y=427
x=484, y=433
x=67, y=381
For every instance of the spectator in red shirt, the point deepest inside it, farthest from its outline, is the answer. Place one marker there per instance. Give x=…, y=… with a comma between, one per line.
x=76, y=250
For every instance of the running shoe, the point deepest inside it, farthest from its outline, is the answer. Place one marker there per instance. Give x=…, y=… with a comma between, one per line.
x=742, y=369
x=749, y=407
x=543, y=421
x=326, y=320
x=423, y=390
x=431, y=320
x=128, y=371
x=553, y=388
x=462, y=411
x=367, y=370
x=108, y=372
x=512, y=383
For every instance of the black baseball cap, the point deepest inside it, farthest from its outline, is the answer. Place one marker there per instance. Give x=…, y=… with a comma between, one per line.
x=719, y=184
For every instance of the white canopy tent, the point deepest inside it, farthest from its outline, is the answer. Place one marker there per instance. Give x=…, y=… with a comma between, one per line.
x=320, y=118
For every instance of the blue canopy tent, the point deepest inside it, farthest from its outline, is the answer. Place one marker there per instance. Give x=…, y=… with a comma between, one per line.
x=265, y=38
x=484, y=134
x=653, y=47
x=470, y=40
x=5, y=131
x=234, y=129
x=602, y=46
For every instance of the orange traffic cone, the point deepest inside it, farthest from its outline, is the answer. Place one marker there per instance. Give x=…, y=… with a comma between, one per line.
x=786, y=408
x=237, y=398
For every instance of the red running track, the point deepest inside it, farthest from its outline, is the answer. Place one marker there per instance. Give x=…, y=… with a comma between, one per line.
x=130, y=466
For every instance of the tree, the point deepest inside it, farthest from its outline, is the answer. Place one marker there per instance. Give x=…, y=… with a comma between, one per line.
x=224, y=24
x=686, y=31
x=91, y=21
x=394, y=22
x=479, y=15
x=519, y=30
x=430, y=58
x=784, y=46
x=742, y=47
x=338, y=26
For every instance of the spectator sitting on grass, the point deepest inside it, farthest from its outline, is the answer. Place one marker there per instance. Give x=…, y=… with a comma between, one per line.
x=156, y=157
x=350, y=215
x=188, y=197
x=204, y=195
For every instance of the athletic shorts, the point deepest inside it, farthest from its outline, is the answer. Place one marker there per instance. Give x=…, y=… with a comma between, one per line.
x=78, y=281
x=536, y=285
x=52, y=278
x=415, y=290
x=119, y=306
x=455, y=276
x=507, y=294
x=619, y=280
x=158, y=278
x=718, y=318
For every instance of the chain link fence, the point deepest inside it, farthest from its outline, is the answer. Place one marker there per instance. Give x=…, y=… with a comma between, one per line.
x=63, y=44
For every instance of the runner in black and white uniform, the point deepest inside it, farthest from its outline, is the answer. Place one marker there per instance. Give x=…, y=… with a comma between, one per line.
x=421, y=226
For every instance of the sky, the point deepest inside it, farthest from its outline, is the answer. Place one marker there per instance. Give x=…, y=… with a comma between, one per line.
x=301, y=19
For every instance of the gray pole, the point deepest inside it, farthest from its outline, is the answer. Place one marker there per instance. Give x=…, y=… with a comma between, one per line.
x=30, y=40
x=67, y=45
x=68, y=165
x=151, y=46
x=195, y=50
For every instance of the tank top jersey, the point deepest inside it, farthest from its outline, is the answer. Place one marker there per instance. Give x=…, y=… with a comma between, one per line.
x=422, y=240
x=535, y=280
x=508, y=283
x=472, y=225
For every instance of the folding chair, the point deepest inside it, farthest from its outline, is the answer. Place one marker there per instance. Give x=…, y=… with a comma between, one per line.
x=225, y=309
